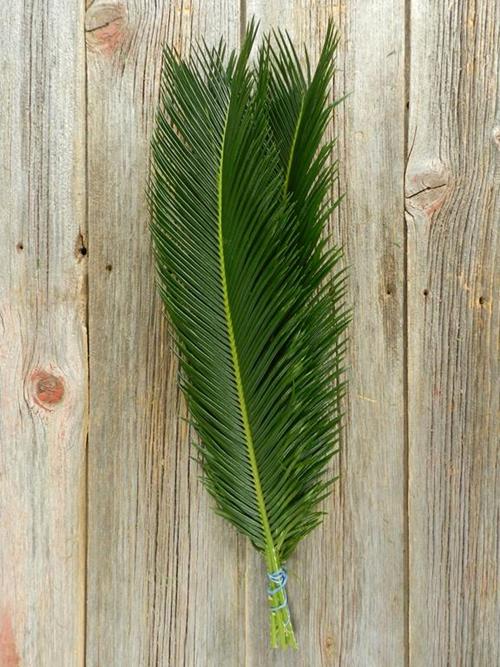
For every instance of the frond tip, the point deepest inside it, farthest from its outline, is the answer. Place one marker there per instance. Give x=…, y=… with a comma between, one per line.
x=240, y=194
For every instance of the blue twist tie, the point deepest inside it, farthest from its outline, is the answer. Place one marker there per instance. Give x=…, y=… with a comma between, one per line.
x=278, y=579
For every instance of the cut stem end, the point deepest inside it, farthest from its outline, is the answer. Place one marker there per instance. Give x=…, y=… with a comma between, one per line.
x=282, y=634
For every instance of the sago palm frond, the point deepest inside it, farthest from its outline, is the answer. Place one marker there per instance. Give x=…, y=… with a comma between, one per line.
x=240, y=195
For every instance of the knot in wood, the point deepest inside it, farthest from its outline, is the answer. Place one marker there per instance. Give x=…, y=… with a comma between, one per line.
x=48, y=389
x=329, y=645
x=427, y=184
x=9, y=656
x=105, y=24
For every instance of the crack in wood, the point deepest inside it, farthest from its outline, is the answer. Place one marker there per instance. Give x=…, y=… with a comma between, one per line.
x=427, y=189
x=103, y=25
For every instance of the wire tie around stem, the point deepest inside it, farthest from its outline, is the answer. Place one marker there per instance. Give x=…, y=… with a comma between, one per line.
x=278, y=581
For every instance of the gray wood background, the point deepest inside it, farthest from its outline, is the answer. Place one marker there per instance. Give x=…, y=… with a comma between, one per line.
x=110, y=555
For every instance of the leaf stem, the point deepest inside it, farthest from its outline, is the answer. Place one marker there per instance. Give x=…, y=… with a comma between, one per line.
x=281, y=628
x=237, y=374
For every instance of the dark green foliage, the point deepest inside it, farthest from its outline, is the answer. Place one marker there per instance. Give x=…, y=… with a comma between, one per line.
x=240, y=196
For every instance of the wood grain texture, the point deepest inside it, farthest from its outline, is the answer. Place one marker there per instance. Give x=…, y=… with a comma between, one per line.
x=163, y=580
x=43, y=342
x=452, y=215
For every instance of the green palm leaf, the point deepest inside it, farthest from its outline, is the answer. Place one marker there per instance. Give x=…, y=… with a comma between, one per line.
x=239, y=197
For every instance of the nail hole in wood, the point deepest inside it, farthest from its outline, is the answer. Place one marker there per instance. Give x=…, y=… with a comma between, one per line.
x=109, y=267
x=19, y=247
x=425, y=292
x=481, y=300
x=82, y=250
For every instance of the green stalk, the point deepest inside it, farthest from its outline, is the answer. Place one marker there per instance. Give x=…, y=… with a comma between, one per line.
x=282, y=635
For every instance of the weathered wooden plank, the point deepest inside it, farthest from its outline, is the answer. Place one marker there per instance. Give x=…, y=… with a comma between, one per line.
x=43, y=342
x=163, y=581
x=452, y=218
x=374, y=596
x=348, y=580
